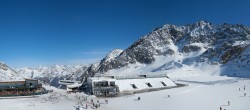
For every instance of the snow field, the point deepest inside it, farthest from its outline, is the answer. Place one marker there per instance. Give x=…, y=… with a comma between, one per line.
x=198, y=95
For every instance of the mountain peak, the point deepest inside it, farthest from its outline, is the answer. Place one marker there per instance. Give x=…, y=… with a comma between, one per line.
x=113, y=54
x=186, y=45
x=203, y=22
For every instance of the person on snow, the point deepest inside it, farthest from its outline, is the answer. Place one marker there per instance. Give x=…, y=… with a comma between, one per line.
x=98, y=103
x=106, y=101
x=228, y=103
x=139, y=98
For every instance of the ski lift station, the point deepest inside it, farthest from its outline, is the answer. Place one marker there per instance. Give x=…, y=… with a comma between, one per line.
x=114, y=85
x=70, y=86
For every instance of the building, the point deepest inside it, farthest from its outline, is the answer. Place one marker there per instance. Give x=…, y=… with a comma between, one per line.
x=114, y=85
x=21, y=88
x=70, y=86
x=102, y=86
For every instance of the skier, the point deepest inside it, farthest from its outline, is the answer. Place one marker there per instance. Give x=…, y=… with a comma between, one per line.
x=139, y=98
x=86, y=106
x=239, y=89
x=98, y=103
x=244, y=87
x=220, y=108
x=245, y=94
x=77, y=108
x=228, y=103
x=106, y=101
x=168, y=96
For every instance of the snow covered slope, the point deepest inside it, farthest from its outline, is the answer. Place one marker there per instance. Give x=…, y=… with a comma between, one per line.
x=6, y=73
x=199, y=95
x=224, y=47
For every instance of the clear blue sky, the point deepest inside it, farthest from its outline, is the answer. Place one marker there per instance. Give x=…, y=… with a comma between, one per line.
x=47, y=32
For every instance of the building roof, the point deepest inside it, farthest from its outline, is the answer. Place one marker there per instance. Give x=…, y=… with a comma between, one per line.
x=101, y=79
x=140, y=82
x=32, y=79
x=12, y=82
x=125, y=85
x=68, y=82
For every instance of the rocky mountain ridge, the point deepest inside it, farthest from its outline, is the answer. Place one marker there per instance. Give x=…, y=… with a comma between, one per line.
x=224, y=44
x=169, y=47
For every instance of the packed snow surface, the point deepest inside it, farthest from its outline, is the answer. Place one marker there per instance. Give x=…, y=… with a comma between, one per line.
x=206, y=90
x=198, y=95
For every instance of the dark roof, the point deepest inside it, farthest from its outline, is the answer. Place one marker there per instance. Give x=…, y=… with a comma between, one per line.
x=12, y=82
x=32, y=79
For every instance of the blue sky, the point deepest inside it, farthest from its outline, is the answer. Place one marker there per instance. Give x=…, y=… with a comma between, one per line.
x=47, y=32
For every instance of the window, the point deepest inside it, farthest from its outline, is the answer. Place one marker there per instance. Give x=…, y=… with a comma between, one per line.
x=149, y=85
x=163, y=83
x=133, y=85
x=112, y=83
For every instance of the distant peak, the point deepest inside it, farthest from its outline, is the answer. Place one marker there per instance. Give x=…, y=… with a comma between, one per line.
x=203, y=23
x=113, y=54
x=116, y=50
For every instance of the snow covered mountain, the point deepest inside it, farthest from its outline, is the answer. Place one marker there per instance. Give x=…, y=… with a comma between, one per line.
x=50, y=75
x=170, y=47
x=6, y=73
x=99, y=66
x=54, y=73
x=201, y=47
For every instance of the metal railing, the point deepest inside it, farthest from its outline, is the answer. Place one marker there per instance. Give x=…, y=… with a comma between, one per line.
x=17, y=87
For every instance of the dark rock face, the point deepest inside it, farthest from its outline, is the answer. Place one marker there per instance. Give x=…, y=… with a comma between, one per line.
x=217, y=41
x=190, y=48
x=232, y=53
x=3, y=67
